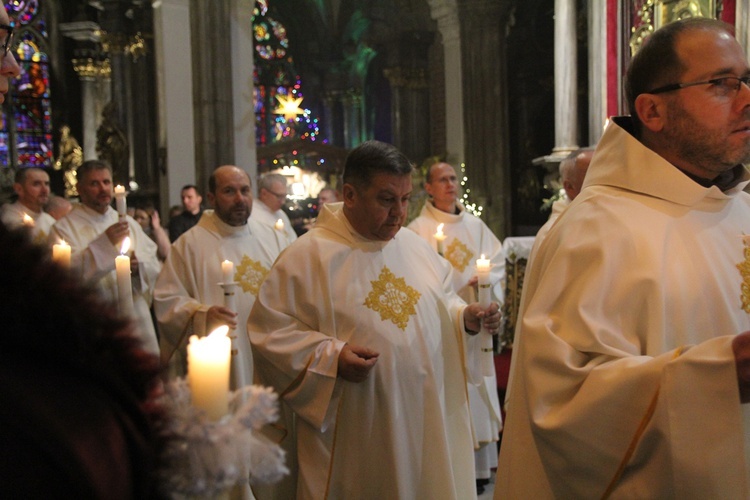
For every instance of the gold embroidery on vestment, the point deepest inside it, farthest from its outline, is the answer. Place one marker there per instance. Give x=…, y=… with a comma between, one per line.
x=392, y=298
x=458, y=254
x=250, y=274
x=744, y=268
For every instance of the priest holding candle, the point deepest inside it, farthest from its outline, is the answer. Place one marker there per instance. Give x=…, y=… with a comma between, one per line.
x=224, y=250
x=95, y=234
x=32, y=188
x=465, y=242
x=268, y=209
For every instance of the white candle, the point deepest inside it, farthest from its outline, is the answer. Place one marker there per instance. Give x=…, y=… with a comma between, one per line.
x=208, y=372
x=485, y=300
x=124, y=286
x=440, y=238
x=61, y=254
x=120, y=201
x=27, y=220
x=279, y=225
x=227, y=271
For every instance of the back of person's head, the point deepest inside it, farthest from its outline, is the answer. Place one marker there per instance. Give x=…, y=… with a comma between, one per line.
x=90, y=166
x=573, y=170
x=371, y=158
x=656, y=63
x=268, y=180
x=75, y=386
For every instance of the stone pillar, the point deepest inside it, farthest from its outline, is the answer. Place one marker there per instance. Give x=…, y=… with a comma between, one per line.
x=114, y=39
x=566, y=63
x=742, y=21
x=212, y=80
x=445, y=12
x=597, y=46
x=245, y=150
x=410, y=97
x=352, y=118
x=483, y=67
x=175, y=90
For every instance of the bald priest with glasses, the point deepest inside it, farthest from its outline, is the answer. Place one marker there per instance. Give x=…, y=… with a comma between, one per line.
x=631, y=370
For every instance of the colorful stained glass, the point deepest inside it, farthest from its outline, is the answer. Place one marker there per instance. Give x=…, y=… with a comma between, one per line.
x=27, y=115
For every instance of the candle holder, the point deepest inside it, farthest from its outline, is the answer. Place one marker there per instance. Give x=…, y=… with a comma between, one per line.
x=205, y=458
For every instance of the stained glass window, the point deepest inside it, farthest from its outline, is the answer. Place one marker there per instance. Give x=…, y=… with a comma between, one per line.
x=26, y=133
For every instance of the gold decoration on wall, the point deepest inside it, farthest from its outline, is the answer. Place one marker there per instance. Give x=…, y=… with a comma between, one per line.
x=654, y=14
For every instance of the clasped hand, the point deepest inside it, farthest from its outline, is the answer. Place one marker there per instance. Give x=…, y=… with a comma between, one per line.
x=474, y=315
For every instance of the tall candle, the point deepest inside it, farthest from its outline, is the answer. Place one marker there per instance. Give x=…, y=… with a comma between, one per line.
x=124, y=286
x=279, y=225
x=120, y=201
x=485, y=299
x=208, y=372
x=61, y=254
x=440, y=238
x=227, y=271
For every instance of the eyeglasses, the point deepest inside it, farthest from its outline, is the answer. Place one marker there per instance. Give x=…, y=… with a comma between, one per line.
x=280, y=196
x=725, y=86
x=8, y=43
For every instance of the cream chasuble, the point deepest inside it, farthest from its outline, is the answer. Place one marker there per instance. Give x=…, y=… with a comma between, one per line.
x=189, y=285
x=467, y=238
x=12, y=216
x=632, y=303
x=93, y=260
x=284, y=236
x=403, y=433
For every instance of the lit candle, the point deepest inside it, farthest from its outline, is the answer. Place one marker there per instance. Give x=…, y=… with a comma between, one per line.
x=485, y=300
x=61, y=254
x=227, y=271
x=208, y=372
x=120, y=201
x=27, y=220
x=440, y=238
x=124, y=286
x=279, y=225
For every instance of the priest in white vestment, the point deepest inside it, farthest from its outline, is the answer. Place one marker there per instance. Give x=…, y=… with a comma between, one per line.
x=630, y=372
x=467, y=239
x=358, y=329
x=267, y=209
x=189, y=300
x=31, y=185
x=95, y=234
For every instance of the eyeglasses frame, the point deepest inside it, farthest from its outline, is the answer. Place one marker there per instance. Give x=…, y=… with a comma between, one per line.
x=713, y=81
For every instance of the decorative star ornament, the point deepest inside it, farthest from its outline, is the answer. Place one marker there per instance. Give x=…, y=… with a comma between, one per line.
x=289, y=106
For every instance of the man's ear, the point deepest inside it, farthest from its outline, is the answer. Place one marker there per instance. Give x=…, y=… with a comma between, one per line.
x=211, y=199
x=18, y=188
x=652, y=111
x=349, y=194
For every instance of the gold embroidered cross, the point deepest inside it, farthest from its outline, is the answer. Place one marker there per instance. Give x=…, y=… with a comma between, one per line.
x=392, y=298
x=459, y=255
x=250, y=274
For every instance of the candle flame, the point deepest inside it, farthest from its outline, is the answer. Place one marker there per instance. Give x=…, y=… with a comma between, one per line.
x=27, y=220
x=220, y=331
x=279, y=224
x=125, y=245
x=119, y=189
x=62, y=242
x=483, y=257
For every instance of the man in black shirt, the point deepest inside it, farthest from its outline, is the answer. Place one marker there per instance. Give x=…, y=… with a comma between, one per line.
x=191, y=213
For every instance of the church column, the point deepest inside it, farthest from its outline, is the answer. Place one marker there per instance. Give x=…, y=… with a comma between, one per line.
x=445, y=13
x=597, y=46
x=213, y=88
x=93, y=75
x=486, y=149
x=112, y=19
x=410, y=103
x=243, y=49
x=566, y=64
x=175, y=98
x=352, y=118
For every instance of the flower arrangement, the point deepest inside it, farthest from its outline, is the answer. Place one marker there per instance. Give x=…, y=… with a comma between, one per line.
x=204, y=458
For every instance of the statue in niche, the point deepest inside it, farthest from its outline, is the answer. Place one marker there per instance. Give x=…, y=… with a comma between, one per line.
x=112, y=143
x=69, y=158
